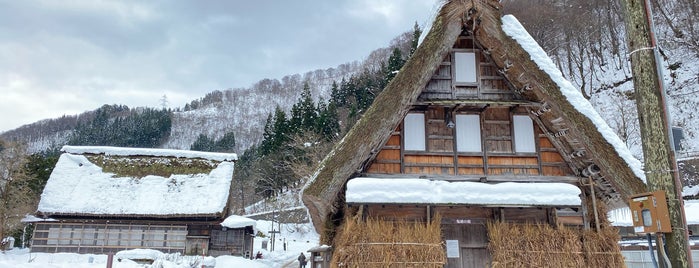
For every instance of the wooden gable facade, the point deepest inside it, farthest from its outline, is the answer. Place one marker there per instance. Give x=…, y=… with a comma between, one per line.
x=473, y=106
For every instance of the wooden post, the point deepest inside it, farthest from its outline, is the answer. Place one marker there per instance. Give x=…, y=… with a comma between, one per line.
x=660, y=164
x=594, y=202
x=110, y=259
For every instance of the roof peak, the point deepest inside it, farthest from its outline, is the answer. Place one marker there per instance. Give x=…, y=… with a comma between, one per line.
x=126, y=151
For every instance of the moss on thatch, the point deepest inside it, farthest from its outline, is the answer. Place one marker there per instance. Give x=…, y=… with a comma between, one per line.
x=141, y=166
x=541, y=245
x=380, y=243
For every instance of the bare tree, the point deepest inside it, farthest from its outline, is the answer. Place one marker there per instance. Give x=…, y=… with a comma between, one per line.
x=15, y=194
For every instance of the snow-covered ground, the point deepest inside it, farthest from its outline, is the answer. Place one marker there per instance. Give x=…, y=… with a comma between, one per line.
x=298, y=238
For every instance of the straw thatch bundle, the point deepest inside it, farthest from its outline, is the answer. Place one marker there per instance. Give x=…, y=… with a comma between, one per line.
x=541, y=245
x=380, y=243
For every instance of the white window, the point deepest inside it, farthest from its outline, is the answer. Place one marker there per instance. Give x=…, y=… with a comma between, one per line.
x=414, y=132
x=468, y=133
x=465, y=68
x=524, y=134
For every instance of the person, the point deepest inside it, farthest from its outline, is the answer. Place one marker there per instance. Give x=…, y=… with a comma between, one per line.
x=258, y=255
x=302, y=260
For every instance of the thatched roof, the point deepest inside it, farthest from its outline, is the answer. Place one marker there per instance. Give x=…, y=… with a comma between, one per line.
x=133, y=182
x=482, y=19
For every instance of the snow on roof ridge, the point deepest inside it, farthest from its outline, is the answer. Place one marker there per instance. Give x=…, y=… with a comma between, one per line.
x=127, y=151
x=512, y=27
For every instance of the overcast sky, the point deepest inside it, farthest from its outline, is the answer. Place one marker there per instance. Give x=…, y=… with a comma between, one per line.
x=65, y=57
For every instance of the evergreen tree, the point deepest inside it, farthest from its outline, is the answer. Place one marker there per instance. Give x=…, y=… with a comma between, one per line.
x=395, y=62
x=226, y=144
x=308, y=109
x=204, y=144
x=117, y=125
x=39, y=167
x=281, y=128
x=328, y=125
x=417, y=32
x=267, y=136
x=335, y=93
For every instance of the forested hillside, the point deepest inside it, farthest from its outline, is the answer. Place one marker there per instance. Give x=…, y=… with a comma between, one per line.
x=586, y=39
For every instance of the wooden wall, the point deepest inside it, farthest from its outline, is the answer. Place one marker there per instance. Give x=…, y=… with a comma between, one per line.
x=460, y=214
x=497, y=156
x=491, y=86
x=491, y=97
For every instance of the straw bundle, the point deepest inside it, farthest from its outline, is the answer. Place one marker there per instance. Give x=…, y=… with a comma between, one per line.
x=380, y=243
x=597, y=243
x=541, y=245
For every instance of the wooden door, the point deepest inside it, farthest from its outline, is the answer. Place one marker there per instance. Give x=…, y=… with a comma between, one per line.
x=472, y=242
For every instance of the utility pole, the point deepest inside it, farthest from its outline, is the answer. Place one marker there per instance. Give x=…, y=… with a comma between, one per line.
x=660, y=164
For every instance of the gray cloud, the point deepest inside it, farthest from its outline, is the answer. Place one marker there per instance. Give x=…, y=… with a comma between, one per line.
x=65, y=57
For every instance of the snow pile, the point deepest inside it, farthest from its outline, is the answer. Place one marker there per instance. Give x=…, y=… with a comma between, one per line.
x=125, y=151
x=422, y=191
x=76, y=185
x=514, y=29
x=690, y=190
x=235, y=221
x=138, y=254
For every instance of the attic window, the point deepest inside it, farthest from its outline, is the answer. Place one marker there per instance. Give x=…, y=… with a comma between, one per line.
x=468, y=133
x=524, y=134
x=465, y=72
x=414, y=132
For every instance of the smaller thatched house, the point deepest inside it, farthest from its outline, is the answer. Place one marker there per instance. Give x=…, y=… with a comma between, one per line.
x=107, y=199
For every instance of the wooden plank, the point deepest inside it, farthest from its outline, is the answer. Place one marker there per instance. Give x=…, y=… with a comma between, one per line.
x=387, y=154
x=514, y=171
x=525, y=215
x=470, y=160
x=551, y=157
x=471, y=171
x=463, y=212
x=394, y=140
x=396, y=212
x=544, y=142
x=523, y=161
x=570, y=220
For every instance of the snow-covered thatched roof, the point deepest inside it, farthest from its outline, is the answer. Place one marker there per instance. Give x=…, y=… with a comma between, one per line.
x=124, y=182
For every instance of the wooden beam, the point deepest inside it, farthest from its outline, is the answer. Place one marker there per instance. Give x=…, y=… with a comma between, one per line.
x=477, y=178
x=479, y=102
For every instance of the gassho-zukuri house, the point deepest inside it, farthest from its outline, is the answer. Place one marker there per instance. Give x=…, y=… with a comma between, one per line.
x=478, y=126
x=106, y=199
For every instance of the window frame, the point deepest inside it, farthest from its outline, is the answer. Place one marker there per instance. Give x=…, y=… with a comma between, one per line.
x=523, y=140
x=469, y=135
x=456, y=67
x=417, y=135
